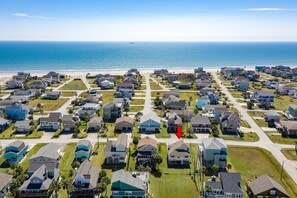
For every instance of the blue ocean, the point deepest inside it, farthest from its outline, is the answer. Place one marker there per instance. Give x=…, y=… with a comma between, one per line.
x=96, y=56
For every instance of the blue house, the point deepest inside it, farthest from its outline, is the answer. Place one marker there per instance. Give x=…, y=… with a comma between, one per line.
x=83, y=150
x=16, y=112
x=15, y=152
x=150, y=123
x=124, y=184
x=200, y=102
x=260, y=68
x=213, y=98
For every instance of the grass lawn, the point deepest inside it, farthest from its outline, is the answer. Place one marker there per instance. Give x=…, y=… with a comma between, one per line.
x=107, y=96
x=5, y=168
x=110, y=131
x=186, y=96
x=137, y=102
x=186, y=134
x=49, y=105
x=236, y=94
x=163, y=132
x=245, y=124
x=248, y=137
x=26, y=163
x=135, y=132
x=281, y=140
x=255, y=113
x=66, y=169
x=174, y=182
x=9, y=134
x=261, y=122
x=135, y=108
x=155, y=86
x=131, y=158
x=261, y=162
x=157, y=93
x=143, y=87
x=290, y=153
x=282, y=102
x=74, y=85
x=68, y=94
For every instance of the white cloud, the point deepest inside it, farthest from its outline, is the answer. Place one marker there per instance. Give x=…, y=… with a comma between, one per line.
x=20, y=14
x=269, y=9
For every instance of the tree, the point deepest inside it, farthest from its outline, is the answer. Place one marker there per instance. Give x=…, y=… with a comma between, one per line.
x=135, y=140
x=86, y=117
x=55, y=187
x=156, y=160
x=100, y=188
x=208, y=189
x=75, y=164
x=250, y=105
x=102, y=174
x=228, y=166
x=215, y=169
x=241, y=134
x=14, y=188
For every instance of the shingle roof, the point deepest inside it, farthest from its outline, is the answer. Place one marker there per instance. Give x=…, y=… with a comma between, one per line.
x=122, y=140
x=50, y=150
x=150, y=116
x=147, y=140
x=264, y=183
x=25, y=123
x=3, y=121
x=213, y=143
x=86, y=170
x=4, y=179
x=198, y=119
x=53, y=117
x=230, y=182
x=19, y=144
x=179, y=149
x=124, y=119
x=289, y=124
x=127, y=178
x=95, y=120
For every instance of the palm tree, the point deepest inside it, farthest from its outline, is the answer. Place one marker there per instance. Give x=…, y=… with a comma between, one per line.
x=55, y=187
x=215, y=169
x=228, y=166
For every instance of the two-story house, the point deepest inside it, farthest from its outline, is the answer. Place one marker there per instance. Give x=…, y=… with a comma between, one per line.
x=112, y=111
x=146, y=147
x=173, y=122
x=263, y=97
x=15, y=152
x=126, y=88
x=179, y=153
x=51, y=123
x=124, y=124
x=214, y=152
x=200, y=124
x=116, y=151
x=49, y=156
x=202, y=101
x=85, y=180
x=16, y=112
x=51, y=95
x=95, y=124
x=150, y=123
x=88, y=109
x=83, y=150
x=230, y=122
x=291, y=113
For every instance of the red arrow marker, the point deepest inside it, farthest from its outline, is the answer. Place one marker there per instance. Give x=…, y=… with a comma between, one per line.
x=179, y=132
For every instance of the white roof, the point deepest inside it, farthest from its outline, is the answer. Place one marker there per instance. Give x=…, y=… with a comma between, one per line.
x=213, y=143
x=150, y=116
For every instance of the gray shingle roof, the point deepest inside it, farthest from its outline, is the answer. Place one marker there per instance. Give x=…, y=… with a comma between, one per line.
x=50, y=150
x=25, y=123
x=3, y=121
x=19, y=144
x=4, y=179
x=87, y=171
x=179, y=148
x=230, y=182
x=198, y=119
x=213, y=143
x=150, y=116
x=53, y=117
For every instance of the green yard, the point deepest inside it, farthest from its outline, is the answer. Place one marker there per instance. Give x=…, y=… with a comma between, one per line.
x=131, y=158
x=281, y=140
x=157, y=93
x=282, y=102
x=74, y=85
x=137, y=102
x=248, y=137
x=291, y=154
x=9, y=134
x=174, y=182
x=253, y=162
x=236, y=94
x=163, y=132
x=49, y=105
x=107, y=96
x=110, y=132
x=155, y=86
x=255, y=113
x=68, y=93
x=245, y=124
x=26, y=163
x=135, y=108
x=66, y=169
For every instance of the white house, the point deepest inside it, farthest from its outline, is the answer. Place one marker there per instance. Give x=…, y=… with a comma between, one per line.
x=106, y=84
x=116, y=151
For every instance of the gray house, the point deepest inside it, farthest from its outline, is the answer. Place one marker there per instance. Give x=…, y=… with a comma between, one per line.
x=179, y=153
x=23, y=126
x=116, y=151
x=94, y=123
x=4, y=124
x=124, y=184
x=291, y=113
x=230, y=122
x=228, y=185
x=5, y=181
x=200, y=124
x=51, y=95
x=112, y=111
x=272, y=116
x=173, y=122
x=214, y=152
x=48, y=156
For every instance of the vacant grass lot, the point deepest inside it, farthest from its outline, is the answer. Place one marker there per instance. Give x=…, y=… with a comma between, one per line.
x=255, y=113
x=282, y=102
x=236, y=94
x=261, y=122
x=155, y=86
x=107, y=96
x=174, y=182
x=68, y=94
x=245, y=124
x=135, y=108
x=290, y=154
x=281, y=140
x=74, y=85
x=9, y=134
x=49, y=105
x=163, y=131
x=110, y=131
x=66, y=169
x=137, y=102
x=261, y=162
x=248, y=137
x=157, y=93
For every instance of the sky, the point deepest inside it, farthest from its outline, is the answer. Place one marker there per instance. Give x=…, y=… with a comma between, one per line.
x=148, y=20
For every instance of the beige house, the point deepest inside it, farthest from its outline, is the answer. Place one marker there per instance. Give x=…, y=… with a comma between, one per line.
x=146, y=147
x=124, y=124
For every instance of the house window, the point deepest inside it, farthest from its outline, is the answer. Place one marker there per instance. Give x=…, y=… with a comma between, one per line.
x=272, y=192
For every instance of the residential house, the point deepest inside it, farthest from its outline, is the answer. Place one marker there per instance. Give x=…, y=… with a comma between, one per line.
x=116, y=151
x=124, y=124
x=184, y=85
x=213, y=98
x=92, y=99
x=69, y=122
x=106, y=84
x=15, y=152
x=179, y=105
x=284, y=89
x=172, y=77
x=95, y=124
x=51, y=123
x=260, y=68
x=39, y=84
x=228, y=185
x=5, y=181
x=160, y=72
x=214, y=152
x=23, y=126
x=264, y=97
x=293, y=93
x=112, y=111
x=173, y=122
x=186, y=115
x=241, y=83
x=251, y=75
x=146, y=147
x=51, y=95
x=16, y=112
x=29, y=92
x=230, y=72
x=126, y=89
x=291, y=113
x=218, y=110
x=83, y=150
x=48, y=156
x=271, y=84
x=271, y=116
x=125, y=102
x=126, y=184
x=288, y=128
x=202, y=83
x=174, y=92
x=14, y=84
x=170, y=99
x=200, y=124
x=179, y=153
x=230, y=122
x=205, y=90
x=149, y=122
x=200, y=102
x=38, y=185
x=85, y=180
x=4, y=124
x=89, y=110
x=265, y=186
